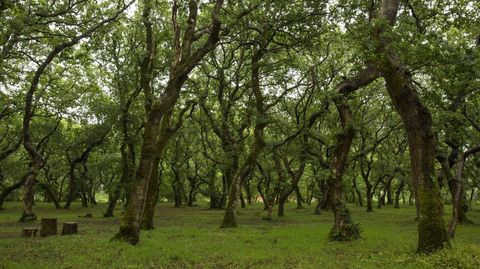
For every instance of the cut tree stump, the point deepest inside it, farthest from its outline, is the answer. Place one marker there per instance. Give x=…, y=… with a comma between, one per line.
x=69, y=228
x=48, y=227
x=29, y=232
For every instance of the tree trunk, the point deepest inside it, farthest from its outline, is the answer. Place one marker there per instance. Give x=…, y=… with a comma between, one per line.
x=29, y=197
x=432, y=233
x=318, y=208
x=127, y=151
x=215, y=197
x=398, y=192
x=388, y=190
x=225, y=188
x=369, y=194
x=270, y=203
x=293, y=186
x=191, y=197
x=130, y=225
x=112, y=201
x=50, y=194
x=381, y=199
x=151, y=199
x=262, y=195
x=84, y=199
x=242, y=200
x=177, y=196
x=248, y=192
x=463, y=203
x=71, y=187
x=459, y=190
x=472, y=195
x=185, y=60
x=281, y=207
x=344, y=229
x=357, y=191
x=230, y=217
x=418, y=124
x=299, y=198
x=325, y=201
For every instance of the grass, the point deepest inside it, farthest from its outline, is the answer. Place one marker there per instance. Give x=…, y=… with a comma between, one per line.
x=191, y=238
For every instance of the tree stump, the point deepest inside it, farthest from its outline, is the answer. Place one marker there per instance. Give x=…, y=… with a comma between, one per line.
x=48, y=227
x=69, y=228
x=29, y=232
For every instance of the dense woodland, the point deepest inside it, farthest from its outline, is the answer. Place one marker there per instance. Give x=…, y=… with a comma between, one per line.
x=336, y=104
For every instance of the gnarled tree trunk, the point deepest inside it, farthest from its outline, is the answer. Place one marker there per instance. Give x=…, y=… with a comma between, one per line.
x=344, y=228
x=432, y=234
x=160, y=110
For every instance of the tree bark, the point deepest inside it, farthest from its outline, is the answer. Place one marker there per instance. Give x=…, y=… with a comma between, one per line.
x=151, y=199
x=131, y=221
x=457, y=199
x=185, y=60
x=242, y=200
x=230, y=216
x=299, y=198
x=344, y=228
x=369, y=194
x=432, y=234
x=73, y=190
x=357, y=191
x=248, y=192
x=50, y=194
x=296, y=176
x=398, y=192
x=127, y=152
x=262, y=195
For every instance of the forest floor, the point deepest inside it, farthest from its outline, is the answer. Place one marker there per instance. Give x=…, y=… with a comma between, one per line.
x=191, y=238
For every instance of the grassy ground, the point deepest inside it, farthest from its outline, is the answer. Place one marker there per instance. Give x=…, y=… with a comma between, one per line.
x=191, y=238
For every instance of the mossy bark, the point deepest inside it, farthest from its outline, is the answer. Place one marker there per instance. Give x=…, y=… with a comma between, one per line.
x=151, y=199
x=417, y=120
x=130, y=225
x=344, y=229
x=185, y=59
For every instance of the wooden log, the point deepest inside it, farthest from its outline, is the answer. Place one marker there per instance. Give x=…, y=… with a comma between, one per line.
x=29, y=232
x=69, y=228
x=48, y=226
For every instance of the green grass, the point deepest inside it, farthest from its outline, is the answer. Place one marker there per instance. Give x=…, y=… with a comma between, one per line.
x=191, y=238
